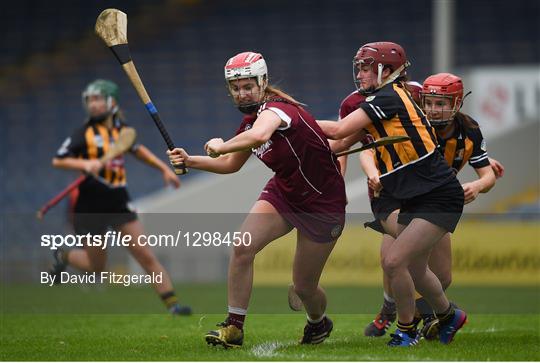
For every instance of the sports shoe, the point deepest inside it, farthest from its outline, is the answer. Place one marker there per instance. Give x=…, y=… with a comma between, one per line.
x=402, y=339
x=58, y=266
x=317, y=333
x=379, y=326
x=448, y=330
x=178, y=309
x=227, y=335
x=294, y=300
x=430, y=330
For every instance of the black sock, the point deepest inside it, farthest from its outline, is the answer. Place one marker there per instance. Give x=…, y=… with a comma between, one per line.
x=388, y=308
x=169, y=299
x=447, y=315
x=408, y=328
x=423, y=308
x=417, y=318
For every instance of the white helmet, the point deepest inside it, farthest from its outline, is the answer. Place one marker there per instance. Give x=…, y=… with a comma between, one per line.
x=247, y=65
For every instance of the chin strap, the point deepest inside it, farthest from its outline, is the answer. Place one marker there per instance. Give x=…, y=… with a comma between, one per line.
x=392, y=77
x=463, y=99
x=250, y=108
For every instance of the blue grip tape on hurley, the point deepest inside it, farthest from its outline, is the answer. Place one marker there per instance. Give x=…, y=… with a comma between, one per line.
x=151, y=108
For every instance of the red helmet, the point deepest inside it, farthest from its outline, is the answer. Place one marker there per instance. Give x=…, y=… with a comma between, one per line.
x=380, y=55
x=444, y=85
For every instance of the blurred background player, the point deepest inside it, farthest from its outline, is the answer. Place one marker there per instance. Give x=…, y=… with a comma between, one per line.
x=307, y=192
x=460, y=141
x=412, y=172
x=102, y=200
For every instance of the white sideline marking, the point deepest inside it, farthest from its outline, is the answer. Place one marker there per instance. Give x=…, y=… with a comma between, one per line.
x=268, y=349
x=488, y=330
x=201, y=320
x=271, y=350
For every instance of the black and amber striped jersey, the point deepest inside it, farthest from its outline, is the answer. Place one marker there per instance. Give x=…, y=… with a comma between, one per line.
x=409, y=168
x=464, y=145
x=91, y=141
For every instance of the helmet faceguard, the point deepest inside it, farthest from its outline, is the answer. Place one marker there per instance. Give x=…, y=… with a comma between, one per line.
x=105, y=88
x=247, y=65
x=378, y=56
x=442, y=86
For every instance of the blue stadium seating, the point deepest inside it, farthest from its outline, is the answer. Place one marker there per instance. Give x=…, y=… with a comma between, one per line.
x=308, y=45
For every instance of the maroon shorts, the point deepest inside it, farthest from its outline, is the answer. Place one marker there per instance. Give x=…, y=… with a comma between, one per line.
x=321, y=218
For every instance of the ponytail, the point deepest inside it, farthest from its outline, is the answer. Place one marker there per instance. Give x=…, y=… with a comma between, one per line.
x=271, y=90
x=466, y=120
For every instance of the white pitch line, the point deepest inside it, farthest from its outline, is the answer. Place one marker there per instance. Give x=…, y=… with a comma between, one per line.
x=201, y=320
x=271, y=349
x=268, y=349
x=488, y=330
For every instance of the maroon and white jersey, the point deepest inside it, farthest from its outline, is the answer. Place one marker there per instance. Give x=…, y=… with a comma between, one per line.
x=350, y=104
x=298, y=152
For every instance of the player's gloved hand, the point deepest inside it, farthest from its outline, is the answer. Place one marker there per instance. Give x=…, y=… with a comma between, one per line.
x=471, y=191
x=178, y=156
x=213, y=147
x=497, y=167
x=93, y=166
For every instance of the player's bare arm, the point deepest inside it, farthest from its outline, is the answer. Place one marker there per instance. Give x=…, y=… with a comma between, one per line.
x=367, y=163
x=486, y=180
x=224, y=164
x=84, y=165
x=497, y=168
x=143, y=154
x=353, y=123
x=344, y=144
x=262, y=130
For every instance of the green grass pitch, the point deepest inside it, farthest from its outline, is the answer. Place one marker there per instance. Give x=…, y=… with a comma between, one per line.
x=269, y=337
x=69, y=323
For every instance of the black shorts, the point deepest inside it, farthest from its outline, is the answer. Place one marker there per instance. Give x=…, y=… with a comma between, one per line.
x=441, y=206
x=382, y=206
x=99, y=208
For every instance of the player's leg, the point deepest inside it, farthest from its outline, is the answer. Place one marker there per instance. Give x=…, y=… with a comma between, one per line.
x=89, y=258
x=387, y=314
x=440, y=263
x=413, y=245
x=309, y=261
x=451, y=319
x=264, y=224
x=390, y=224
x=428, y=218
x=149, y=262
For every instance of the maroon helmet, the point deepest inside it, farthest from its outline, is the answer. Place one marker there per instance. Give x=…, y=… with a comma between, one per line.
x=380, y=55
x=415, y=89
